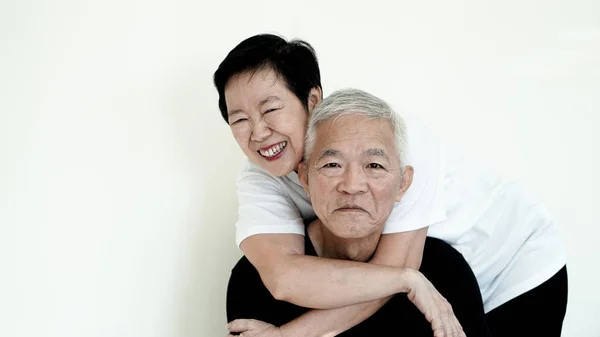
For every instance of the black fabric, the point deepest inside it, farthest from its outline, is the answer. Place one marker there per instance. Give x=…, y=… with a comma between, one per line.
x=538, y=312
x=445, y=268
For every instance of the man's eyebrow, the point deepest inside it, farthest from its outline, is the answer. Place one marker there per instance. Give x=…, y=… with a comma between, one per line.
x=330, y=153
x=375, y=152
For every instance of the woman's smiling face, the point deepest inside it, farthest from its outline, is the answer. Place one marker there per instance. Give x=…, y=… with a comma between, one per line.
x=267, y=120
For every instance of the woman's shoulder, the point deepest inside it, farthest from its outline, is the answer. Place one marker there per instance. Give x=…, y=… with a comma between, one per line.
x=420, y=138
x=254, y=177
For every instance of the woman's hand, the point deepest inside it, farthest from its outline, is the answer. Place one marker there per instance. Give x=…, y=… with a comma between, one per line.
x=433, y=305
x=252, y=328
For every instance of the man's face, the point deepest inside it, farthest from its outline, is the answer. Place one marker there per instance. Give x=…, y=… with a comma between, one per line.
x=354, y=175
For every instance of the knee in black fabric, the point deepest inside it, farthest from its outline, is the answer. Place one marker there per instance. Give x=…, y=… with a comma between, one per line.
x=451, y=275
x=540, y=311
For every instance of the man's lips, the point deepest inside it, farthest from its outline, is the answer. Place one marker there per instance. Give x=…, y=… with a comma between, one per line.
x=351, y=208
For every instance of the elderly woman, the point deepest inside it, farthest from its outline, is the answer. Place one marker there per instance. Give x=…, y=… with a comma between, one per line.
x=267, y=89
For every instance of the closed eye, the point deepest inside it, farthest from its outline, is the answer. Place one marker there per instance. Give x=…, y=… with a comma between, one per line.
x=271, y=110
x=238, y=120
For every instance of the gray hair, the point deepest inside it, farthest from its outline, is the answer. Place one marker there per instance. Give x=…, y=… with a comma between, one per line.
x=353, y=101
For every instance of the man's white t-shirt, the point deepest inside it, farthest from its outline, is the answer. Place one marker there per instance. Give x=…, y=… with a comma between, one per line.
x=508, y=239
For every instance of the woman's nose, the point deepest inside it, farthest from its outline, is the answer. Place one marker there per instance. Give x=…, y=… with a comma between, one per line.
x=260, y=131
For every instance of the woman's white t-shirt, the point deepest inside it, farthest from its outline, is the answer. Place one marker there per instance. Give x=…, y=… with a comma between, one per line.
x=508, y=239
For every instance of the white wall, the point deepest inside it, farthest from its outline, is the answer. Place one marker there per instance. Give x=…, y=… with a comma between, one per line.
x=117, y=173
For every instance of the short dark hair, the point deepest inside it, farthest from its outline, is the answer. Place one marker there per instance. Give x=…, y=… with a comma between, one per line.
x=295, y=62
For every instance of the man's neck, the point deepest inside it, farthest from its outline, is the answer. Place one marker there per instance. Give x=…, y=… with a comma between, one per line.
x=330, y=246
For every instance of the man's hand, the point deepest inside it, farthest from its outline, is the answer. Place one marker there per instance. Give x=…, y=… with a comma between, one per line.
x=252, y=328
x=433, y=305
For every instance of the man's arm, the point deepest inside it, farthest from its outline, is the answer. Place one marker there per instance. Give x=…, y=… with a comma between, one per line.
x=321, y=283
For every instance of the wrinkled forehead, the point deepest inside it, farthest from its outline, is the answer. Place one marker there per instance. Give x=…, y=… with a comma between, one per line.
x=254, y=86
x=354, y=136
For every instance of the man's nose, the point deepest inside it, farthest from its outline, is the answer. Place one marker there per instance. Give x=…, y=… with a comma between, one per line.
x=353, y=181
x=260, y=131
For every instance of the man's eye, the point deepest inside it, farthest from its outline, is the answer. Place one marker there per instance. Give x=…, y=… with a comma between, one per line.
x=374, y=166
x=331, y=165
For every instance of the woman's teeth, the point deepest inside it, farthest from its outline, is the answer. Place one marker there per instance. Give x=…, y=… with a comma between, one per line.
x=273, y=150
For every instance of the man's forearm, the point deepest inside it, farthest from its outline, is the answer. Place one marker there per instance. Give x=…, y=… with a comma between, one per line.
x=331, y=322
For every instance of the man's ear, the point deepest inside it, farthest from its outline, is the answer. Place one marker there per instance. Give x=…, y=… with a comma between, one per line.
x=303, y=176
x=407, y=177
x=315, y=96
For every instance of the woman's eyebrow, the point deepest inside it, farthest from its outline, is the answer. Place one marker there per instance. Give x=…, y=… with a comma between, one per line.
x=268, y=100
x=230, y=113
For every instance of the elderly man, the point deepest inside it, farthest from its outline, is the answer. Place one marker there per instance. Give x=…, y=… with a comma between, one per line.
x=353, y=173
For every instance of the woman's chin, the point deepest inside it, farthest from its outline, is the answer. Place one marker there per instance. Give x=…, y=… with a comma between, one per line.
x=277, y=167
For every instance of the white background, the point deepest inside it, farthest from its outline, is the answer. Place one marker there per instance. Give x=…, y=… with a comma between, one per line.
x=117, y=175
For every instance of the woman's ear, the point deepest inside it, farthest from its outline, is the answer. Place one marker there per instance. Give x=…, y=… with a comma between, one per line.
x=315, y=96
x=303, y=177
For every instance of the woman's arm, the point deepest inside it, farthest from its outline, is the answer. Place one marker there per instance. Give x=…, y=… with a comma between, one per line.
x=330, y=322
x=321, y=283
x=400, y=250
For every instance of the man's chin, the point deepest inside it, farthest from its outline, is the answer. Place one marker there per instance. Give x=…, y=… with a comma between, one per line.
x=353, y=229
x=350, y=235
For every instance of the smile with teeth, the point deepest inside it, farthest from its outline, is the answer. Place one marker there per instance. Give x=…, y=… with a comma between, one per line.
x=273, y=150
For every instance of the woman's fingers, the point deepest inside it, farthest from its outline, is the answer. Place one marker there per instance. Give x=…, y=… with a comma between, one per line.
x=434, y=306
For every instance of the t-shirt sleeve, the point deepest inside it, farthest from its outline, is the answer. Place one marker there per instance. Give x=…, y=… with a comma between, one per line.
x=423, y=203
x=264, y=206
